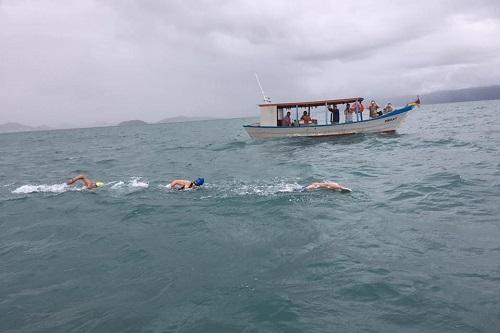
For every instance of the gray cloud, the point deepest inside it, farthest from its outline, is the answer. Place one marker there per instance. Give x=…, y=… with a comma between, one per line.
x=85, y=61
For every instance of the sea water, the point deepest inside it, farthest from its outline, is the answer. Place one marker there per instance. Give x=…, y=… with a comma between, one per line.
x=415, y=247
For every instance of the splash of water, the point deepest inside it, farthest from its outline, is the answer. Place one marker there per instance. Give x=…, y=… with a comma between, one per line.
x=44, y=188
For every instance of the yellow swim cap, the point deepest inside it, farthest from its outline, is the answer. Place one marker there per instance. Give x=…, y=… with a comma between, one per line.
x=99, y=184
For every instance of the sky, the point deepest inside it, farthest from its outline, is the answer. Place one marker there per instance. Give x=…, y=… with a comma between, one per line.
x=84, y=62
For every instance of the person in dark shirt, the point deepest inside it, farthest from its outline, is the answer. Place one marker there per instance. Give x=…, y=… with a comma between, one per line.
x=335, y=115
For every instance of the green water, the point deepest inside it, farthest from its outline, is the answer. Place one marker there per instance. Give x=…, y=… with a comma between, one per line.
x=415, y=247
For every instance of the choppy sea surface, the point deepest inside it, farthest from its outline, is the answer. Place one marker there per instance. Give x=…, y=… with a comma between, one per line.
x=415, y=247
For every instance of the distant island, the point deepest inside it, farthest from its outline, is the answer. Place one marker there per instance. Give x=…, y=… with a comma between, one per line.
x=181, y=119
x=16, y=127
x=178, y=119
x=132, y=123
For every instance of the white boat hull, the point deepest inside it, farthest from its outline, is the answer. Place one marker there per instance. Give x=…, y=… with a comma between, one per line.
x=384, y=124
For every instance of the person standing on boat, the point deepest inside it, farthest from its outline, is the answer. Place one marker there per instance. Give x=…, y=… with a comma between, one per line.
x=373, y=107
x=348, y=113
x=286, y=121
x=358, y=109
x=335, y=115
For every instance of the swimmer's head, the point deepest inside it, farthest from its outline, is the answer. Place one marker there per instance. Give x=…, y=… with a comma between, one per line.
x=99, y=184
x=199, y=181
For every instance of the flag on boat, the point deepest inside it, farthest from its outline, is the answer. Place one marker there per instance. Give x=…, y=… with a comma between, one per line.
x=416, y=103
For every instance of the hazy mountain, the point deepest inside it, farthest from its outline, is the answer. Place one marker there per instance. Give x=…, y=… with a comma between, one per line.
x=463, y=95
x=132, y=123
x=180, y=119
x=16, y=127
x=451, y=96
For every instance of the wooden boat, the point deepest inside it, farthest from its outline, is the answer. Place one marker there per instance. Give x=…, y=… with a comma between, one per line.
x=271, y=115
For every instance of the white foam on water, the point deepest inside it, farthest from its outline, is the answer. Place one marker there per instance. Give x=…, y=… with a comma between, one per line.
x=133, y=184
x=166, y=187
x=265, y=190
x=117, y=185
x=44, y=188
x=137, y=182
x=287, y=188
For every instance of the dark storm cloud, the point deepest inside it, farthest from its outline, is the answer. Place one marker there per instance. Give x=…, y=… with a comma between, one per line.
x=85, y=61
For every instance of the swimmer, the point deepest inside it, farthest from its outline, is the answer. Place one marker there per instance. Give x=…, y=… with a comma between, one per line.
x=181, y=184
x=327, y=186
x=89, y=184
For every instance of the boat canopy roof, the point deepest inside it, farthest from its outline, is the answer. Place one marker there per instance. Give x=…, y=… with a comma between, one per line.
x=313, y=103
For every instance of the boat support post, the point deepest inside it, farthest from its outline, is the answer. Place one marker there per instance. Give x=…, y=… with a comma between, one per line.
x=326, y=113
x=297, y=113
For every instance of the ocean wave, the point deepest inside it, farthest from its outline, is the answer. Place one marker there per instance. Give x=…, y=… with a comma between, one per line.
x=176, y=148
x=370, y=291
x=230, y=146
x=107, y=161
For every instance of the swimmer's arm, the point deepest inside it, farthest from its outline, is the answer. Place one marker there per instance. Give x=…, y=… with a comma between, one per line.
x=313, y=186
x=173, y=183
x=75, y=179
x=178, y=182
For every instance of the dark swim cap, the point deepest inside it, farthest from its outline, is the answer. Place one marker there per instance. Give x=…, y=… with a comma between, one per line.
x=199, y=181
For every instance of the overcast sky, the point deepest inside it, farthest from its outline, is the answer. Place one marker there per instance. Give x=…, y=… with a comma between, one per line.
x=87, y=61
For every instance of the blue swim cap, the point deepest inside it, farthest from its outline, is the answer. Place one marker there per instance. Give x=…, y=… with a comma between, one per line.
x=199, y=181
